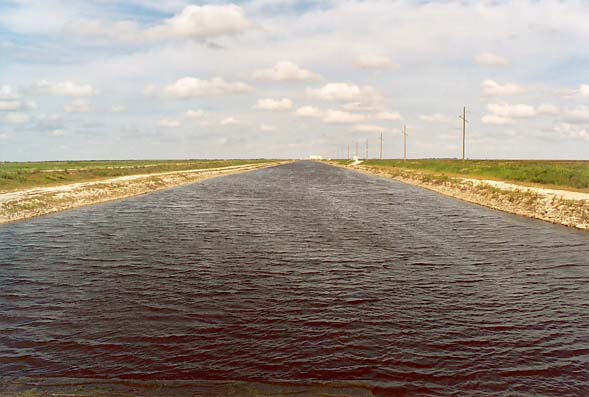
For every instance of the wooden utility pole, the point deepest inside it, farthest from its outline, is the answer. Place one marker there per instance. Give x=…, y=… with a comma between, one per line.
x=404, y=142
x=464, y=121
x=380, y=156
x=366, y=154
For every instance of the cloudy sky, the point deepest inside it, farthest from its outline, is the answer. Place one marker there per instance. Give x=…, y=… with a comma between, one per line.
x=115, y=79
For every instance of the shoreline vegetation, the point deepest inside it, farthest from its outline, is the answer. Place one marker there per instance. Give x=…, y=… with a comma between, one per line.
x=36, y=189
x=552, y=191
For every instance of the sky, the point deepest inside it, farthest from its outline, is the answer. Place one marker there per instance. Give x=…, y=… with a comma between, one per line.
x=147, y=79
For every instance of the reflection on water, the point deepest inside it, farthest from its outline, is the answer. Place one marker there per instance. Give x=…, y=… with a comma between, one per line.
x=299, y=272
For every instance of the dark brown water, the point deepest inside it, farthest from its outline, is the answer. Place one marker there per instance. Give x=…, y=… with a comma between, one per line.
x=302, y=272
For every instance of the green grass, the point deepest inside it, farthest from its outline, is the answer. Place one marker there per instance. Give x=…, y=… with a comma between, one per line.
x=17, y=176
x=553, y=173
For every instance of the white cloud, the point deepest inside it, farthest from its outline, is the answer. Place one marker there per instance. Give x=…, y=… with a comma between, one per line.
x=374, y=62
x=360, y=107
x=274, y=104
x=284, y=71
x=16, y=106
x=267, y=128
x=168, y=123
x=581, y=92
x=519, y=111
x=150, y=90
x=7, y=92
x=578, y=115
x=118, y=108
x=344, y=92
x=488, y=59
x=547, y=109
x=308, y=111
x=567, y=130
x=66, y=88
x=492, y=88
x=501, y=113
x=58, y=132
x=341, y=117
x=195, y=113
x=496, y=120
x=388, y=116
x=78, y=105
x=229, y=121
x=193, y=22
x=369, y=128
x=14, y=118
x=435, y=118
x=190, y=87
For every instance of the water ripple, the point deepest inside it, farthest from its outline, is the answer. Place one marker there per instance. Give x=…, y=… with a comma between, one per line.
x=302, y=272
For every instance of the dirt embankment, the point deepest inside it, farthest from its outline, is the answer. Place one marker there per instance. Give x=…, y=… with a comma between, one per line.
x=556, y=206
x=41, y=201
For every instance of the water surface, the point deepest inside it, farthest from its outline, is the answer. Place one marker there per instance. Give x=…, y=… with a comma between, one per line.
x=302, y=272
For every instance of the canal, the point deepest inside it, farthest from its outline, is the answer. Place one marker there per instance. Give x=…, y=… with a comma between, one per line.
x=299, y=273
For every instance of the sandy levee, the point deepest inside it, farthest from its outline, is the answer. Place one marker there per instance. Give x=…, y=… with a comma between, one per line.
x=564, y=207
x=29, y=203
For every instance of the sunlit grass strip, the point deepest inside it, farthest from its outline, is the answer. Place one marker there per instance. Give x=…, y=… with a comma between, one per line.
x=552, y=173
x=18, y=176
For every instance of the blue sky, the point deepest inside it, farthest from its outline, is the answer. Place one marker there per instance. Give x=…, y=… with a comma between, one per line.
x=283, y=78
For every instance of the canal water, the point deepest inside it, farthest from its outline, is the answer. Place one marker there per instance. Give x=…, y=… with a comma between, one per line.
x=299, y=273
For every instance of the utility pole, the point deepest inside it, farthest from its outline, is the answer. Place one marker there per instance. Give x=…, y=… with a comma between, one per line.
x=356, y=149
x=404, y=142
x=464, y=121
x=366, y=155
x=380, y=156
x=348, y=151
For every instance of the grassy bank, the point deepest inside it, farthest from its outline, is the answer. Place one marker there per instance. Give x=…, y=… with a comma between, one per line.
x=556, y=174
x=19, y=176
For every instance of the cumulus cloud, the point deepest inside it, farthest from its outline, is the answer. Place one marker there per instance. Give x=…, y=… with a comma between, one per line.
x=168, y=123
x=193, y=22
x=341, y=117
x=308, y=111
x=581, y=92
x=388, y=116
x=496, y=120
x=7, y=92
x=190, y=87
x=274, y=104
x=79, y=105
x=195, y=113
x=511, y=111
x=567, y=130
x=16, y=106
x=547, y=109
x=435, y=118
x=14, y=118
x=229, y=121
x=369, y=128
x=66, y=88
x=284, y=71
x=501, y=113
x=267, y=128
x=492, y=88
x=489, y=59
x=343, y=92
x=578, y=115
x=374, y=62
